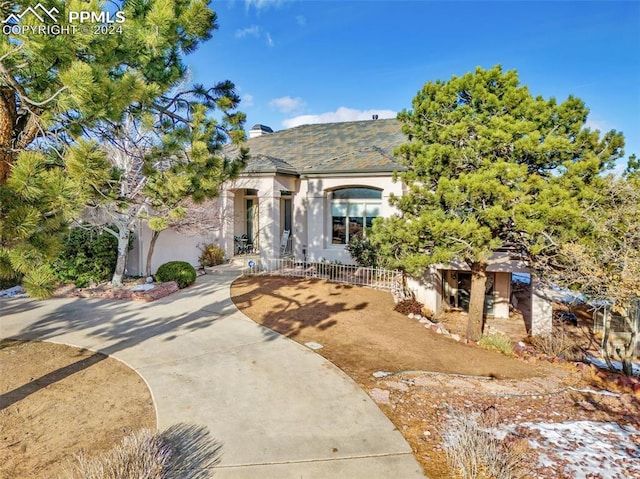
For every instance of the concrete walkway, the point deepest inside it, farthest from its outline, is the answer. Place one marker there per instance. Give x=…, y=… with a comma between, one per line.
x=279, y=409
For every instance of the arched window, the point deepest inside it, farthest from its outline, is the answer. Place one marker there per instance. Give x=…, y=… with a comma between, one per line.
x=353, y=211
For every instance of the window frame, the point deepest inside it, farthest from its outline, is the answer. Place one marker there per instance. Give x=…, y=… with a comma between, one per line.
x=366, y=202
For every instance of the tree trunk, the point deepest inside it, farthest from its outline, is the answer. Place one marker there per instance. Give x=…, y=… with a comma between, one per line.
x=475, y=324
x=123, y=251
x=152, y=245
x=7, y=123
x=605, y=341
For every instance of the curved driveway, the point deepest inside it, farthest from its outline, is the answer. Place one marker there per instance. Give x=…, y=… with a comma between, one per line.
x=279, y=410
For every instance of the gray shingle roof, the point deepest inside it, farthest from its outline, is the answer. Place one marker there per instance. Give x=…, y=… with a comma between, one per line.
x=327, y=147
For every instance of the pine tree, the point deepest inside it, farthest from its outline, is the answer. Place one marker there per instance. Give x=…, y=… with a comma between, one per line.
x=56, y=88
x=491, y=168
x=166, y=161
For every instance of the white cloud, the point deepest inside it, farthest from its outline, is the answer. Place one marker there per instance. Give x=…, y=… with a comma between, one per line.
x=262, y=4
x=286, y=104
x=340, y=115
x=247, y=100
x=253, y=31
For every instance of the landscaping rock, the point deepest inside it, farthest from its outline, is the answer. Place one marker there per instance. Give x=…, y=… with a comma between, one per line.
x=397, y=385
x=15, y=292
x=456, y=337
x=380, y=396
x=381, y=374
x=160, y=291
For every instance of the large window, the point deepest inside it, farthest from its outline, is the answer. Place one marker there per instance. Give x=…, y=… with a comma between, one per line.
x=353, y=211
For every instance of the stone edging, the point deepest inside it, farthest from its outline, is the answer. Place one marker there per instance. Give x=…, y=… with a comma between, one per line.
x=160, y=291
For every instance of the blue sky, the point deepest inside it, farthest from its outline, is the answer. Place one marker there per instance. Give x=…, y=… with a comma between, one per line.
x=299, y=61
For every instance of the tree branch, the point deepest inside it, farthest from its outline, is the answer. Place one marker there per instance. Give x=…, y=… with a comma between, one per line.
x=22, y=93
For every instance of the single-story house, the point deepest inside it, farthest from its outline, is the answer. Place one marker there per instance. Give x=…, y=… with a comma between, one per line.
x=305, y=192
x=320, y=183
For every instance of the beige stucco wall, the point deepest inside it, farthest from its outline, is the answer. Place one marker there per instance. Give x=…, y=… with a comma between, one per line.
x=429, y=289
x=502, y=293
x=541, y=320
x=170, y=246
x=315, y=204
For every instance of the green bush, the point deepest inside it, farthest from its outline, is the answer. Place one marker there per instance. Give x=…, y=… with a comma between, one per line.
x=210, y=255
x=363, y=252
x=498, y=342
x=179, y=271
x=87, y=255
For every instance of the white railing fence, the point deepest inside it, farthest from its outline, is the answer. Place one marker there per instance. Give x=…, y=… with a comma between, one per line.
x=339, y=273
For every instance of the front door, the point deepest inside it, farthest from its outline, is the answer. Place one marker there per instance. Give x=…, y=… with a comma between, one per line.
x=285, y=223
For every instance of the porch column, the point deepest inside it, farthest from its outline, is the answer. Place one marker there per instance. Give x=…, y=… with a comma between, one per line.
x=541, y=310
x=227, y=216
x=269, y=224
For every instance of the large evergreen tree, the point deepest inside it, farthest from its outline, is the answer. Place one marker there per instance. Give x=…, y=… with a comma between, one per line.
x=54, y=89
x=491, y=168
x=605, y=266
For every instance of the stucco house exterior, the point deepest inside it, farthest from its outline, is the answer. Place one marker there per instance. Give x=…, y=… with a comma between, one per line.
x=321, y=183
x=304, y=192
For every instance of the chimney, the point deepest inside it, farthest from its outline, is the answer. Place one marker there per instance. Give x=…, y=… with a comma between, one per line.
x=259, y=130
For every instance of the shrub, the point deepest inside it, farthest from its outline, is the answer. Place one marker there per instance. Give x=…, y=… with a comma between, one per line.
x=497, y=341
x=409, y=306
x=149, y=455
x=363, y=252
x=179, y=271
x=474, y=451
x=558, y=344
x=87, y=255
x=210, y=255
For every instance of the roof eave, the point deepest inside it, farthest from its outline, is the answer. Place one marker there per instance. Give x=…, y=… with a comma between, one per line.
x=270, y=172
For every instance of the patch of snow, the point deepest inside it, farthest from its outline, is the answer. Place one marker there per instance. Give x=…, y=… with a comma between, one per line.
x=143, y=287
x=593, y=391
x=600, y=363
x=14, y=292
x=589, y=448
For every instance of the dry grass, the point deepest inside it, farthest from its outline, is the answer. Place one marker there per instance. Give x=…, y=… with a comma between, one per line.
x=474, y=451
x=558, y=344
x=180, y=452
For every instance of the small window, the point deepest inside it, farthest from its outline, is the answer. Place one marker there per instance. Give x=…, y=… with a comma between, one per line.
x=250, y=192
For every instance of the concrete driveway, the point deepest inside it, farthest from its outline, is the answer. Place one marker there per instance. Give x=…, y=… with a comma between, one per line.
x=278, y=409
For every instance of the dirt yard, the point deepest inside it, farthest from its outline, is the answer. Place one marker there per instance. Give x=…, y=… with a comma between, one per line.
x=57, y=401
x=362, y=334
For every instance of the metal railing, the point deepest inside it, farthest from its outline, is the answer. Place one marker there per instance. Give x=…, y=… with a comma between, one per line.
x=378, y=278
